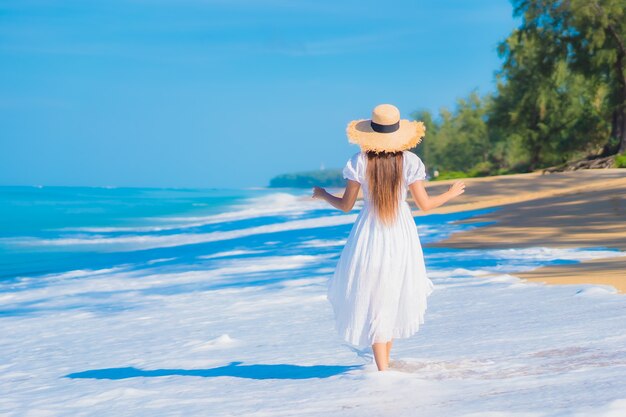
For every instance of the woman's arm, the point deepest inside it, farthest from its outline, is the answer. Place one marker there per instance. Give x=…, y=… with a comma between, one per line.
x=344, y=203
x=425, y=202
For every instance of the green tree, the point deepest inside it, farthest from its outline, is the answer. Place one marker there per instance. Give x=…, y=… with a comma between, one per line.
x=543, y=110
x=588, y=37
x=457, y=140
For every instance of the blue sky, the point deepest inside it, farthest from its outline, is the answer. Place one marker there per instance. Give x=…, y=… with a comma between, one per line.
x=222, y=93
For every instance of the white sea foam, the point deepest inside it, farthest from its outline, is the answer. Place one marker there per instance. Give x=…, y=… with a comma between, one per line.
x=596, y=290
x=536, y=255
x=124, y=279
x=136, y=242
x=160, y=260
x=220, y=342
x=322, y=243
x=230, y=253
x=96, y=341
x=548, y=253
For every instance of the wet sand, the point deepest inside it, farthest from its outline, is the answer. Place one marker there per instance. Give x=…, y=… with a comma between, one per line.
x=573, y=209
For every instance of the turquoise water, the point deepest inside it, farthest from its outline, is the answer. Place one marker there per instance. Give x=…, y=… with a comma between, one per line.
x=58, y=212
x=38, y=210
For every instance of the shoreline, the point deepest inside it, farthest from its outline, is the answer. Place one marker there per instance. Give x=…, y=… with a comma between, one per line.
x=575, y=209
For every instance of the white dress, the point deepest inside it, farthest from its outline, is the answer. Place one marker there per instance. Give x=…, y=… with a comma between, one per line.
x=379, y=288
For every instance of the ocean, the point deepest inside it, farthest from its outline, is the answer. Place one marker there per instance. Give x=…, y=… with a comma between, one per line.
x=137, y=295
x=45, y=230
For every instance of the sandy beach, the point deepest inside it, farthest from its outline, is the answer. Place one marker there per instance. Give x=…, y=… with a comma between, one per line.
x=561, y=210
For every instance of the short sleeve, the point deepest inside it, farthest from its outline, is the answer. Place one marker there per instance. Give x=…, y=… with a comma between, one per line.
x=415, y=170
x=351, y=170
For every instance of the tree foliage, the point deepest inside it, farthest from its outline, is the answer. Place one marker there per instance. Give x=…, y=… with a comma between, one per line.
x=561, y=94
x=458, y=140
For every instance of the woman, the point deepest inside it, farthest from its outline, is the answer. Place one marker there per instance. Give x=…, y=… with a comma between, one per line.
x=379, y=289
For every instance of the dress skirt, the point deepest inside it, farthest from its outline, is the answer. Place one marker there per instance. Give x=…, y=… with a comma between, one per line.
x=379, y=289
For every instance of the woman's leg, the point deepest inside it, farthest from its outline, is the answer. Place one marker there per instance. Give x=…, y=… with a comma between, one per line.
x=389, y=344
x=380, y=355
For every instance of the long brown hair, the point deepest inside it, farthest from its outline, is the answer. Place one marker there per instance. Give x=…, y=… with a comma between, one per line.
x=384, y=176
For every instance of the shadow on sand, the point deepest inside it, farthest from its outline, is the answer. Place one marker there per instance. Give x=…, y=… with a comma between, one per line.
x=234, y=369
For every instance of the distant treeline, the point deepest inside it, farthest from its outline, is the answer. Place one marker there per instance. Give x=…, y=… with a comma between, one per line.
x=321, y=178
x=561, y=95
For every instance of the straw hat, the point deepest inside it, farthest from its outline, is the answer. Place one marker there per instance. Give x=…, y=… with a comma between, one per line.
x=385, y=131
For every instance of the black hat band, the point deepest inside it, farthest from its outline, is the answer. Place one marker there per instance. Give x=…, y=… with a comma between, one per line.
x=385, y=128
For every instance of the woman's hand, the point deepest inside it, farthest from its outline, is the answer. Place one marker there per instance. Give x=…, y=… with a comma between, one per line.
x=426, y=202
x=318, y=192
x=457, y=189
x=343, y=203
